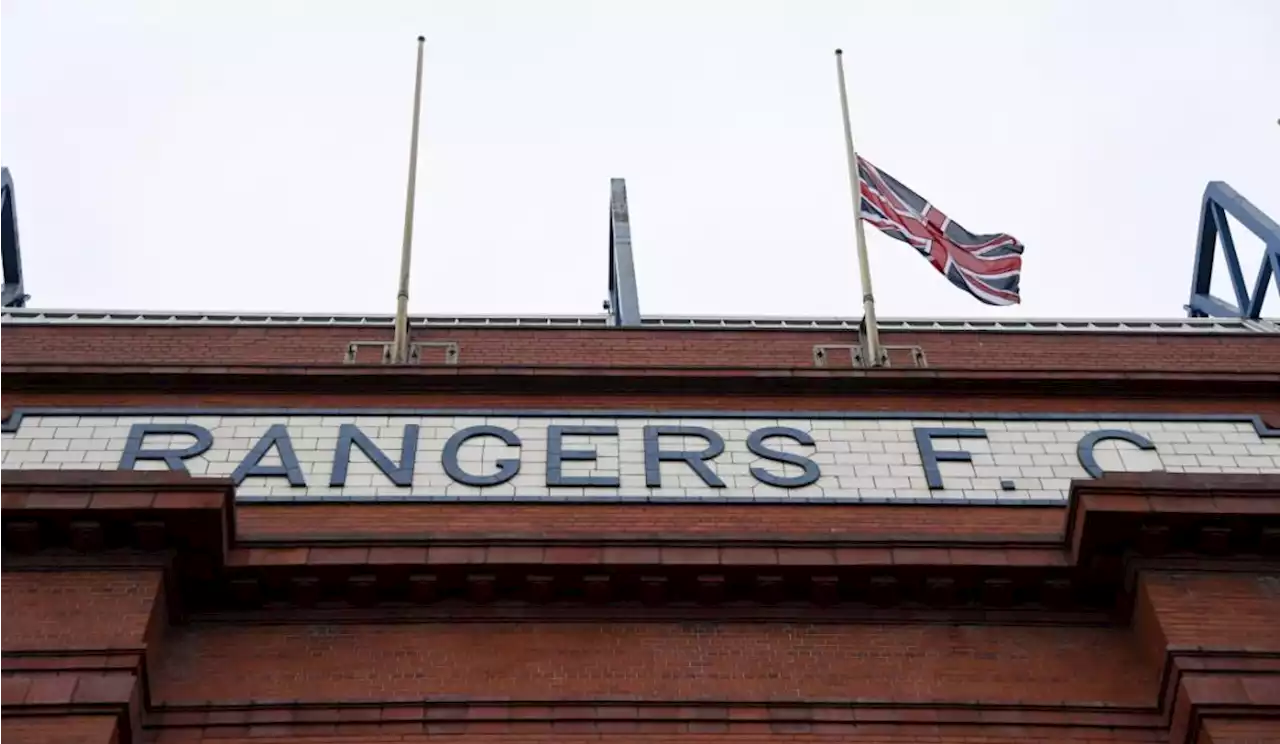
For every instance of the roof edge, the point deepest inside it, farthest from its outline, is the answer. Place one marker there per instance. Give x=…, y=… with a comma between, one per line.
x=73, y=317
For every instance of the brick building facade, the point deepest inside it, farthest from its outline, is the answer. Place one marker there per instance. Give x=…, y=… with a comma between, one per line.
x=247, y=529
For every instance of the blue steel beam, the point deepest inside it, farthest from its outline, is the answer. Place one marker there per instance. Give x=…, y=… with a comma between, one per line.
x=624, y=301
x=1219, y=201
x=12, y=294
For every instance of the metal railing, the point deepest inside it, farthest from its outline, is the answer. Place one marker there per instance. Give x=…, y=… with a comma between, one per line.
x=1192, y=325
x=1219, y=201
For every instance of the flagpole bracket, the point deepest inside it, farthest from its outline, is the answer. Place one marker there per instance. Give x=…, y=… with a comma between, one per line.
x=386, y=351
x=623, y=305
x=860, y=358
x=1220, y=200
x=14, y=294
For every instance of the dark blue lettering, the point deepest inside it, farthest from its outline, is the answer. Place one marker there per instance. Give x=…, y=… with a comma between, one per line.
x=755, y=443
x=350, y=434
x=557, y=455
x=1084, y=449
x=931, y=457
x=507, y=467
x=133, y=451
x=277, y=436
x=654, y=454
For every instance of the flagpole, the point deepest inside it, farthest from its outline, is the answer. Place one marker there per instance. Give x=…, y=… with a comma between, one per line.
x=864, y=265
x=400, y=341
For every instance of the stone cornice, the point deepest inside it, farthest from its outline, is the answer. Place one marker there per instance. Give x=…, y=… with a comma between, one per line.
x=122, y=518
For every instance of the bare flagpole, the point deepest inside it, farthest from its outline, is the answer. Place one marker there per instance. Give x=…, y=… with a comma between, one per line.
x=400, y=342
x=864, y=265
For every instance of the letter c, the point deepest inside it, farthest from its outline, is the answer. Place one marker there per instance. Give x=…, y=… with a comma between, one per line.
x=1084, y=450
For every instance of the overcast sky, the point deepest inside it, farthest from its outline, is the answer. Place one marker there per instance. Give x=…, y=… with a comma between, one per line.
x=252, y=154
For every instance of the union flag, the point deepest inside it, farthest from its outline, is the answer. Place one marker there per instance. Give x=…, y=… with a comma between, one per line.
x=986, y=266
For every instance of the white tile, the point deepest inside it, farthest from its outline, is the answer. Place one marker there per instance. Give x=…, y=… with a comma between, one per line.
x=852, y=454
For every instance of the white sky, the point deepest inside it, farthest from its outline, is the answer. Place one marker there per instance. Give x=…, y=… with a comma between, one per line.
x=252, y=154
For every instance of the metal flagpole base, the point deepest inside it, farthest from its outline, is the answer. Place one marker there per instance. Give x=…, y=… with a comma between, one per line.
x=866, y=355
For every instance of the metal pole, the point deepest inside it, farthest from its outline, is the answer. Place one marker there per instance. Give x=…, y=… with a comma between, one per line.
x=400, y=342
x=624, y=301
x=864, y=265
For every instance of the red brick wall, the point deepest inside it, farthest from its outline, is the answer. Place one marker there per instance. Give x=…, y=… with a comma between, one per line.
x=967, y=404
x=216, y=662
x=658, y=348
x=78, y=609
x=1227, y=731
x=59, y=730
x=655, y=661
x=1027, y=670
x=1189, y=609
x=661, y=734
x=599, y=520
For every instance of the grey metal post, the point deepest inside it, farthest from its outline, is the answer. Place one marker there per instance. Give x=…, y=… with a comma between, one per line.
x=400, y=340
x=13, y=294
x=624, y=301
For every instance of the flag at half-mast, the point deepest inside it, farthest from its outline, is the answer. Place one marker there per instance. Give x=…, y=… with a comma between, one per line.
x=988, y=267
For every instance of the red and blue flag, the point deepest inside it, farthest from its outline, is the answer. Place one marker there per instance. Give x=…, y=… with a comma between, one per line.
x=988, y=267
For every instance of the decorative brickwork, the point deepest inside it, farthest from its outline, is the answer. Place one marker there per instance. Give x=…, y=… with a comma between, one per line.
x=157, y=607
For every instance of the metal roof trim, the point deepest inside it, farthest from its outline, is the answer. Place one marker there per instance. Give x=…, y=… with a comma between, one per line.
x=29, y=316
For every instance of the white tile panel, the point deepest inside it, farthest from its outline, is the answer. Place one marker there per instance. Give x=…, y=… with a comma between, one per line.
x=860, y=459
